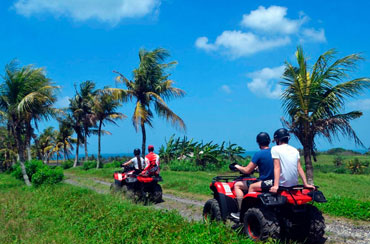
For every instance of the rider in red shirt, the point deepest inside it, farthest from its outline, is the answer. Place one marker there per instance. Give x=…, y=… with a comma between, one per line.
x=153, y=166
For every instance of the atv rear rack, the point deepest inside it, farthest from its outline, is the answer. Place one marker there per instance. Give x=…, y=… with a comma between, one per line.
x=224, y=178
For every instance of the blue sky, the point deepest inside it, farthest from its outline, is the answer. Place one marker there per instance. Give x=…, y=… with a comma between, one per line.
x=230, y=56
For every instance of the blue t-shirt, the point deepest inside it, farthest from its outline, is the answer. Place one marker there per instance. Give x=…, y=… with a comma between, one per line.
x=265, y=163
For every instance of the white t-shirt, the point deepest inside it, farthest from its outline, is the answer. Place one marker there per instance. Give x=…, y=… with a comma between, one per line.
x=144, y=162
x=288, y=157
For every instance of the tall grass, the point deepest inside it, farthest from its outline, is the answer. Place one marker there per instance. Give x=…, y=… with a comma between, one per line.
x=67, y=214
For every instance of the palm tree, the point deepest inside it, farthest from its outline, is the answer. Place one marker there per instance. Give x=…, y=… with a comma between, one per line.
x=150, y=88
x=46, y=143
x=65, y=136
x=104, y=109
x=314, y=100
x=86, y=94
x=75, y=118
x=24, y=90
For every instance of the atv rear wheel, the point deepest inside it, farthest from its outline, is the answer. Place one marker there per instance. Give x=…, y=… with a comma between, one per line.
x=314, y=226
x=260, y=224
x=211, y=211
x=156, y=194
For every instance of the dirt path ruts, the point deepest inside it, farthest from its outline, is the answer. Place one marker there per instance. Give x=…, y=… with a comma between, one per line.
x=337, y=230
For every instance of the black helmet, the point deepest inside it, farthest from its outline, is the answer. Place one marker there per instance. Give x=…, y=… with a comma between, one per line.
x=281, y=133
x=136, y=151
x=263, y=138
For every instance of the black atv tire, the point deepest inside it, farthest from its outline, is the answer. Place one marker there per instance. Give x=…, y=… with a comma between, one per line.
x=156, y=194
x=313, y=229
x=211, y=211
x=260, y=224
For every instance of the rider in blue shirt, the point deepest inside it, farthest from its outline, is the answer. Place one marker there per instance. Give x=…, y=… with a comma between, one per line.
x=263, y=160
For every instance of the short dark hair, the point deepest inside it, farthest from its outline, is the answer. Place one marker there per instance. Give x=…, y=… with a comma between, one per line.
x=284, y=140
x=264, y=144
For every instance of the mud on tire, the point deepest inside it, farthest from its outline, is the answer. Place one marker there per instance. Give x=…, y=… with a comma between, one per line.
x=211, y=211
x=260, y=224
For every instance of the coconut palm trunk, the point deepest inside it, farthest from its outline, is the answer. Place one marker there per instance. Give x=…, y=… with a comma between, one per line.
x=99, y=144
x=85, y=144
x=64, y=152
x=77, y=147
x=144, y=138
x=21, y=155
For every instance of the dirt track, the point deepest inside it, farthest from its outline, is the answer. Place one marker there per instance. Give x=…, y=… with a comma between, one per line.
x=338, y=230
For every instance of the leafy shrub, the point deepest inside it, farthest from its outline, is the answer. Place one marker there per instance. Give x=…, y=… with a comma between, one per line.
x=39, y=173
x=47, y=175
x=338, y=161
x=90, y=165
x=31, y=168
x=67, y=164
x=356, y=166
x=114, y=164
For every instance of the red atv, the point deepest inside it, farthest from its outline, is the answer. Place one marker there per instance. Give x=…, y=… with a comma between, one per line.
x=137, y=187
x=289, y=214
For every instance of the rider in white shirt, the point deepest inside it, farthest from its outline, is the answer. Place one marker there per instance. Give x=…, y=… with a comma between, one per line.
x=287, y=165
x=139, y=162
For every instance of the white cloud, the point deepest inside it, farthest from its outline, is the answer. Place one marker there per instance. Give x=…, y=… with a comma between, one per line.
x=111, y=11
x=269, y=28
x=312, y=35
x=226, y=89
x=272, y=20
x=62, y=102
x=238, y=43
x=202, y=43
x=264, y=82
x=362, y=104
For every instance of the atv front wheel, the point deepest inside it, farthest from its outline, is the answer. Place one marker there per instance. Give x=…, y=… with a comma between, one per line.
x=260, y=224
x=211, y=211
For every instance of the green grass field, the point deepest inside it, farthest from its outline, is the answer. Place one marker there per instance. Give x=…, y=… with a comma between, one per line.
x=348, y=195
x=67, y=214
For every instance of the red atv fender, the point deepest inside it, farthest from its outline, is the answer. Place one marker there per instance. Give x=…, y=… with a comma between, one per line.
x=224, y=192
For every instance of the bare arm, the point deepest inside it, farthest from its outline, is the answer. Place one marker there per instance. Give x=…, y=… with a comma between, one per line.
x=247, y=169
x=128, y=162
x=303, y=175
x=275, y=187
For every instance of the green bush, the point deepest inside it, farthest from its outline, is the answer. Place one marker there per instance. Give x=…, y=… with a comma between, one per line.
x=90, y=165
x=47, y=175
x=39, y=173
x=31, y=168
x=67, y=164
x=114, y=164
x=338, y=161
x=356, y=166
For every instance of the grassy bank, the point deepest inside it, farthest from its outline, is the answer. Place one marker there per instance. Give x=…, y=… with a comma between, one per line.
x=67, y=214
x=348, y=195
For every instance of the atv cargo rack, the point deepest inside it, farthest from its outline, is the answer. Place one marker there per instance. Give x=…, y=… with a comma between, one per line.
x=224, y=178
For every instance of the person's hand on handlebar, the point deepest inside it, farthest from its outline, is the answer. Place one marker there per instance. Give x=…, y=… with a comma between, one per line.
x=309, y=186
x=274, y=189
x=232, y=167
